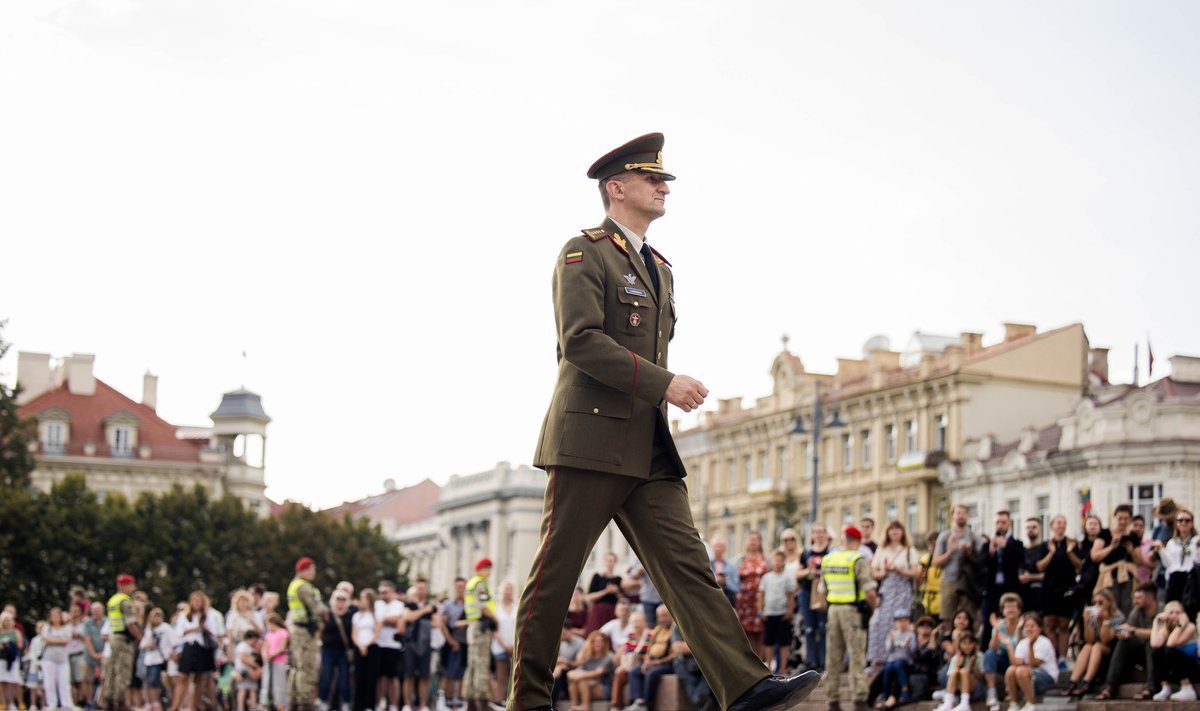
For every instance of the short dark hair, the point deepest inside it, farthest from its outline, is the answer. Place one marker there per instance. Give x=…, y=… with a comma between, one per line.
x=1140, y=517
x=1004, y=512
x=1123, y=507
x=926, y=621
x=968, y=636
x=252, y=634
x=603, y=183
x=421, y=579
x=386, y=584
x=460, y=579
x=1034, y=519
x=868, y=519
x=1149, y=589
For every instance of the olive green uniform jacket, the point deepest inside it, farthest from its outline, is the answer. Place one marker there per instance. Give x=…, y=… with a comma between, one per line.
x=613, y=332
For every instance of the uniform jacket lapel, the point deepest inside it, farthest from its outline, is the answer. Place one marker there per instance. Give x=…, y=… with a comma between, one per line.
x=635, y=260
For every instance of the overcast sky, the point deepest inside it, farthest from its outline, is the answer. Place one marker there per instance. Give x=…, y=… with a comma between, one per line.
x=368, y=197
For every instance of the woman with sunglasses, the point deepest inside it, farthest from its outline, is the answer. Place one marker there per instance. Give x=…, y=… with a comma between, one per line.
x=1178, y=556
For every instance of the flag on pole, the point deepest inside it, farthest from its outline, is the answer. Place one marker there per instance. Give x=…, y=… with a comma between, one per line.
x=1150, y=353
x=1135, y=365
x=1085, y=504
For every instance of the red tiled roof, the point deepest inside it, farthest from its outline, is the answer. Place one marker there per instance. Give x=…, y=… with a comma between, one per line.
x=88, y=413
x=401, y=506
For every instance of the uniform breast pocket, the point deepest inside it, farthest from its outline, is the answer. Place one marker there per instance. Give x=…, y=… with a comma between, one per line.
x=594, y=423
x=637, y=310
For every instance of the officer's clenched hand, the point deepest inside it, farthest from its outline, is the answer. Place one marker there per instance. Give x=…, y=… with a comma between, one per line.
x=686, y=393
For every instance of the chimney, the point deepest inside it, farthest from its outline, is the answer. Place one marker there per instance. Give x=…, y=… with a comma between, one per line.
x=1098, y=362
x=80, y=379
x=1185, y=369
x=150, y=390
x=972, y=343
x=33, y=375
x=1013, y=331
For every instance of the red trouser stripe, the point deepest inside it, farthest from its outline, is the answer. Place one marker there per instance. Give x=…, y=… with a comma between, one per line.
x=533, y=598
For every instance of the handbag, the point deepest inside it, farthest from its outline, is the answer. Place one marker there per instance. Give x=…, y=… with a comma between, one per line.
x=337, y=622
x=818, y=599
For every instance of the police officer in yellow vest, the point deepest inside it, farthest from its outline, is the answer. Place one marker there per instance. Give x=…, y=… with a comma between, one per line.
x=123, y=637
x=850, y=592
x=480, y=611
x=305, y=614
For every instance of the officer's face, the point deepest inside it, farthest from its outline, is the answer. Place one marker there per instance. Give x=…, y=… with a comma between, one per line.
x=645, y=194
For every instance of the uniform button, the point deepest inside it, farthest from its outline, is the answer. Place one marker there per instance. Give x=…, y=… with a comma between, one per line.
x=660, y=334
x=635, y=303
x=595, y=411
x=660, y=355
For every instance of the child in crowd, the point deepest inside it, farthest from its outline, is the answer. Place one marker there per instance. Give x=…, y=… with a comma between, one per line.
x=33, y=664
x=776, y=605
x=277, y=659
x=900, y=646
x=926, y=660
x=248, y=669
x=1034, y=665
x=631, y=654
x=965, y=677
x=592, y=676
x=156, y=647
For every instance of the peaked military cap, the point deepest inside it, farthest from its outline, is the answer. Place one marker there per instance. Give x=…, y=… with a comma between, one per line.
x=642, y=154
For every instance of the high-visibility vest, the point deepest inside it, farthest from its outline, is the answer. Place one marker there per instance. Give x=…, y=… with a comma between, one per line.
x=471, y=602
x=116, y=618
x=837, y=569
x=296, y=606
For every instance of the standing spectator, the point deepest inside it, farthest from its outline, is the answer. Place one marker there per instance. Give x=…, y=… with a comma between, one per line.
x=592, y=674
x=77, y=656
x=418, y=652
x=275, y=652
x=1173, y=645
x=811, y=601
x=389, y=616
x=333, y=681
x=55, y=666
x=1003, y=555
x=618, y=627
x=1146, y=564
x=158, y=641
x=895, y=567
x=124, y=634
x=1117, y=555
x=867, y=526
x=1059, y=564
x=931, y=578
x=900, y=647
x=1101, y=621
x=93, y=644
x=1006, y=634
x=1133, y=645
x=506, y=635
x=789, y=543
x=1179, y=554
x=1033, y=667
x=776, y=605
x=366, y=659
x=241, y=618
x=454, y=626
x=479, y=612
x=724, y=571
x=33, y=661
x=194, y=631
x=643, y=679
x=965, y=677
x=602, y=594
x=248, y=669
x=851, y=595
x=1030, y=577
x=751, y=567
x=577, y=611
x=11, y=643
x=637, y=582
x=955, y=554
x=79, y=601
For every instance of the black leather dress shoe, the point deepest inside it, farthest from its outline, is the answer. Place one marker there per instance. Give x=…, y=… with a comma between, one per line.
x=776, y=693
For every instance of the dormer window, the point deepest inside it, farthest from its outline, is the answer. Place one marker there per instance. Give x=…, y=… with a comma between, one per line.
x=121, y=433
x=122, y=441
x=54, y=430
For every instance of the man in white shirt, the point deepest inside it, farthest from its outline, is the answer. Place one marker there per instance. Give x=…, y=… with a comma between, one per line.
x=389, y=611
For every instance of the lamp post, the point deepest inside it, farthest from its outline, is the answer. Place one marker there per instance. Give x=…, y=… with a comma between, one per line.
x=798, y=429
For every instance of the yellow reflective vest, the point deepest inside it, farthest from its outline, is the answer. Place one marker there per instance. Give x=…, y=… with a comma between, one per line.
x=296, y=606
x=472, y=601
x=841, y=587
x=116, y=618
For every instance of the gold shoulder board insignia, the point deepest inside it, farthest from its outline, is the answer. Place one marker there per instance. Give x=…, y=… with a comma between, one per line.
x=595, y=234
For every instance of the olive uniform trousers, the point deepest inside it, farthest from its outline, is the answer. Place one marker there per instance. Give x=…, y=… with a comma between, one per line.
x=655, y=516
x=844, y=636
x=117, y=671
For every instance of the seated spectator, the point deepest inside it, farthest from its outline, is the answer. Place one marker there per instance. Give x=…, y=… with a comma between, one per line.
x=1133, y=644
x=965, y=676
x=1173, y=647
x=618, y=627
x=1006, y=633
x=899, y=646
x=1100, y=621
x=926, y=661
x=949, y=643
x=248, y=669
x=643, y=680
x=592, y=676
x=1034, y=666
x=629, y=655
x=569, y=647
x=687, y=670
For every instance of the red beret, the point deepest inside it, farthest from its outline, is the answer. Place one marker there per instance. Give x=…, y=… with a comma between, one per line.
x=303, y=563
x=125, y=579
x=483, y=563
x=851, y=531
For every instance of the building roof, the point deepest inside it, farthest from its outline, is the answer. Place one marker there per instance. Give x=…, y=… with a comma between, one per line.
x=88, y=414
x=241, y=403
x=398, y=507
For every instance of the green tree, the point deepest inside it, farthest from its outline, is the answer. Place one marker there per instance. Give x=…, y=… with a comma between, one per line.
x=16, y=434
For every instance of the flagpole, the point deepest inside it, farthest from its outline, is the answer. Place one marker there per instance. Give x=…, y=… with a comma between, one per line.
x=1135, y=365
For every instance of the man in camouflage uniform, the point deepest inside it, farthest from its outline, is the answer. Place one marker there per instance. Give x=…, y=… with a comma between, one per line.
x=305, y=613
x=850, y=591
x=123, y=638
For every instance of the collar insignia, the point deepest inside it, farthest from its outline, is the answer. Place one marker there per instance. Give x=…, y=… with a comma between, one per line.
x=630, y=279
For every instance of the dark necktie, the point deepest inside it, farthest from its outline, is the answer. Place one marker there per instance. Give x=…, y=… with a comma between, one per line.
x=648, y=258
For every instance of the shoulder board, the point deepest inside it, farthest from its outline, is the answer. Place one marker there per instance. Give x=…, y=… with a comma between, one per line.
x=659, y=258
x=595, y=234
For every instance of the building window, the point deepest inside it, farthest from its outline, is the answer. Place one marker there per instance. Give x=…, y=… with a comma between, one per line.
x=747, y=470
x=865, y=438
x=1014, y=512
x=54, y=436
x=1043, y=513
x=867, y=512
x=847, y=452
x=1143, y=497
x=889, y=433
x=910, y=507
x=730, y=475
x=782, y=462
x=910, y=436
x=122, y=442
x=847, y=515
x=941, y=432
x=892, y=513
x=762, y=465
x=808, y=459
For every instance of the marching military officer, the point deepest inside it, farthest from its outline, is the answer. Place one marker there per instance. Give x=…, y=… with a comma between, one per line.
x=607, y=448
x=123, y=638
x=850, y=592
x=305, y=613
x=480, y=611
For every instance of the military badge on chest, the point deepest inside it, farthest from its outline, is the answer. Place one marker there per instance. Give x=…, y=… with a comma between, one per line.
x=635, y=319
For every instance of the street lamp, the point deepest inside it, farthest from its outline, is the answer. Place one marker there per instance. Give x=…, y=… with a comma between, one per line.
x=797, y=429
